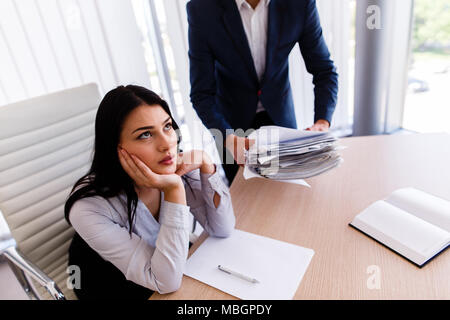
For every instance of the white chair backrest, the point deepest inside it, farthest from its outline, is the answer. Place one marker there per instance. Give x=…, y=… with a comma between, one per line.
x=46, y=145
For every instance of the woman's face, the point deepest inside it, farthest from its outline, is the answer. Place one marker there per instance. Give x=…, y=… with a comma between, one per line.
x=147, y=133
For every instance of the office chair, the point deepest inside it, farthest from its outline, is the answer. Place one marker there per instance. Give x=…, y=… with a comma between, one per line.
x=45, y=147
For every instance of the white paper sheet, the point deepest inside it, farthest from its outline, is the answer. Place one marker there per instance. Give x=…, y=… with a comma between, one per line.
x=278, y=266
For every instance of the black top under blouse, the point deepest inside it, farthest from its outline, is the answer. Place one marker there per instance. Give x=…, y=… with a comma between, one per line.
x=100, y=279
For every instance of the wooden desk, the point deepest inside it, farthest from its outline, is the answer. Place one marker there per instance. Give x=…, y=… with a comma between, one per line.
x=318, y=218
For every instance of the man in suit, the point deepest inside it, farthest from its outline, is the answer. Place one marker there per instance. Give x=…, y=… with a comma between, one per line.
x=238, y=53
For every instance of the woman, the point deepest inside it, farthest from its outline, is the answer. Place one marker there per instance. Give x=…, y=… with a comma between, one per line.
x=131, y=210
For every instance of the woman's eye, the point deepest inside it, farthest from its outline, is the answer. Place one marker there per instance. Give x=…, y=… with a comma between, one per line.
x=168, y=126
x=145, y=135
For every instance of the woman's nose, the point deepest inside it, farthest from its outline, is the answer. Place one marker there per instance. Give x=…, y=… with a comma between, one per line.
x=165, y=143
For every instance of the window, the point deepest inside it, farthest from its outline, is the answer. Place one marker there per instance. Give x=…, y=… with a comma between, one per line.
x=427, y=103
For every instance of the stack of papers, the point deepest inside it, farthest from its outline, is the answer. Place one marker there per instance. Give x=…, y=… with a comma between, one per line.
x=286, y=154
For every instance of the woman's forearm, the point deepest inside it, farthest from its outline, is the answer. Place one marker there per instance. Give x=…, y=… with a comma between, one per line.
x=209, y=167
x=176, y=195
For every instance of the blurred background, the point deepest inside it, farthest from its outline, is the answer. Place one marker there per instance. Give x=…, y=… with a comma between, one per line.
x=427, y=103
x=49, y=45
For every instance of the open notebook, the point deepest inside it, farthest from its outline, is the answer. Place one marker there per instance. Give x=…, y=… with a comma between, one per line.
x=411, y=222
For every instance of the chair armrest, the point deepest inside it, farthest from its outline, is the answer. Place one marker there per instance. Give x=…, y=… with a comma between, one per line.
x=13, y=255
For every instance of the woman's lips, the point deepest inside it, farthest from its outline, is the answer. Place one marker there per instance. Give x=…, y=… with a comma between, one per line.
x=167, y=160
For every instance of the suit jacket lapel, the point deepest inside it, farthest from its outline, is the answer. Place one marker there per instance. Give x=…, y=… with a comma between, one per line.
x=274, y=33
x=233, y=24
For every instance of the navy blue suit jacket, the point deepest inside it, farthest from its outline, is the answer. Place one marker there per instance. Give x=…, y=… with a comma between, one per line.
x=224, y=84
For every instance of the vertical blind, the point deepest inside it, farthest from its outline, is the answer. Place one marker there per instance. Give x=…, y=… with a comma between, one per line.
x=50, y=45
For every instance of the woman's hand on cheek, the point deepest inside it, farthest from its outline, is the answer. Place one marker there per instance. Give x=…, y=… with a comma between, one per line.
x=144, y=177
x=194, y=159
x=188, y=161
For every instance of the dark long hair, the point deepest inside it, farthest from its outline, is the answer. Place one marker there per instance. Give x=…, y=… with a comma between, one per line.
x=106, y=177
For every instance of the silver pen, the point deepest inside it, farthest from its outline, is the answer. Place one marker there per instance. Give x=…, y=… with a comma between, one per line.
x=237, y=274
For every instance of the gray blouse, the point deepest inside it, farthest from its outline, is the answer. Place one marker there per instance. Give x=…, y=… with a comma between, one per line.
x=156, y=253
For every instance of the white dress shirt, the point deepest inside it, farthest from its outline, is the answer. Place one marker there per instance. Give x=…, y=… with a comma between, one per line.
x=155, y=254
x=255, y=23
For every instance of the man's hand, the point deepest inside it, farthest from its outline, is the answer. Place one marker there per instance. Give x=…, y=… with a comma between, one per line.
x=237, y=145
x=320, y=125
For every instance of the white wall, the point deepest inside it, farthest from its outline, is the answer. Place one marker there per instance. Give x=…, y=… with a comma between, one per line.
x=49, y=45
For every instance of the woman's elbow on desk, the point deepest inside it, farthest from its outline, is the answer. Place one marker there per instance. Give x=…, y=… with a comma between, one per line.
x=224, y=230
x=223, y=233
x=169, y=288
x=169, y=285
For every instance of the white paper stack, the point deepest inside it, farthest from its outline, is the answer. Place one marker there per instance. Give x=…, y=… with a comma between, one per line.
x=284, y=154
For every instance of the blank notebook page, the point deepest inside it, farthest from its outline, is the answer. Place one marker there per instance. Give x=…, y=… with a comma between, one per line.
x=423, y=205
